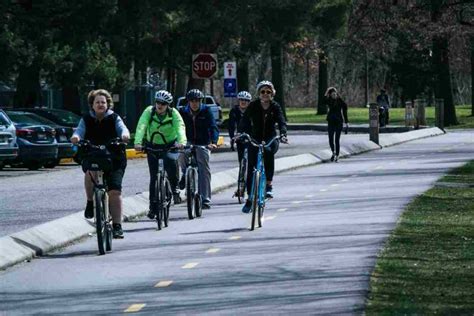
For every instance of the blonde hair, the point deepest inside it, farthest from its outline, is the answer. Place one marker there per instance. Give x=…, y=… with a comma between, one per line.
x=329, y=91
x=94, y=93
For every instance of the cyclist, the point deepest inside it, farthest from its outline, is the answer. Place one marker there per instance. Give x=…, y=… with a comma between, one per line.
x=100, y=126
x=235, y=116
x=166, y=127
x=201, y=130
x=262, y=115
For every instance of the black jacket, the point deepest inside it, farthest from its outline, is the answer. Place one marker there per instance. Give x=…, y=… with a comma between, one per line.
x=235, y=116
x=263, y=122
x=337, y=111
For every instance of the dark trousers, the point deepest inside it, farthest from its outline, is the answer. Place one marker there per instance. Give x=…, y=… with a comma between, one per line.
x=268, y=160
x=240, y=150
x=334, y=133
x=170, y=161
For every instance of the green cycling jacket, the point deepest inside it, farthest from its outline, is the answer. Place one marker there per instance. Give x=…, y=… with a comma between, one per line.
x=170, y=125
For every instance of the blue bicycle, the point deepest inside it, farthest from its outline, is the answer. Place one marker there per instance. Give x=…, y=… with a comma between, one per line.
x=258, y=192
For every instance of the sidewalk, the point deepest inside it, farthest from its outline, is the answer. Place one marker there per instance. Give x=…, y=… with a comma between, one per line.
x=39, y=240
x=353, y=128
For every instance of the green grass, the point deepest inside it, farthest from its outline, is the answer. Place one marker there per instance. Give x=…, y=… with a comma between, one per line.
x=427, y=265
x=361, y=116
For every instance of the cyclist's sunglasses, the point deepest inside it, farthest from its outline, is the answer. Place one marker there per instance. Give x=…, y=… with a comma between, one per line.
x=266, y=92
x=161, y=103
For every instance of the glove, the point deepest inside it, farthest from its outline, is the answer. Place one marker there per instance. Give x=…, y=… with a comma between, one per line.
x=346, y=129
x=232, y=143
x=284, y=138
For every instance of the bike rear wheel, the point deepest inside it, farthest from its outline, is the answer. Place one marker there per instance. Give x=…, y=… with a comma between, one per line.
x=197, y=205
x=100, y=221
x=242, y=180
x=169, y=195
x=255, y=194
x=190, y=192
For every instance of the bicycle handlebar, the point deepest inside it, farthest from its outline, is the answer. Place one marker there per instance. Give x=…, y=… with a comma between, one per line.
x=113, y=142
x=255, y=143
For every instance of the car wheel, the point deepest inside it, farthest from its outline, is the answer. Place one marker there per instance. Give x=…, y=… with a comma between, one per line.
x=34, y=165
x=51, y=164
x=1, y=166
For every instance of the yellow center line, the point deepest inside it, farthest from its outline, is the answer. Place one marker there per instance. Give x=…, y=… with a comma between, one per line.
x=282, y=210
x=190, y=265
x=213, y=250
x=163, y=283
x=269, y=218
x=134, y=308
x=235, y=237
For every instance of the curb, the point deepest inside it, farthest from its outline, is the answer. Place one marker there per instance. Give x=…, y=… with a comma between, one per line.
x=39, y=240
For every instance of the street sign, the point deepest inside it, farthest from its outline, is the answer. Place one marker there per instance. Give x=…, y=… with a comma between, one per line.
x=230, y=88
x=204, y=66
x=230, y=70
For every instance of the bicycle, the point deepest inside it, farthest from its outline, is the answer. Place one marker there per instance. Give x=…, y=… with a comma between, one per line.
x=163, y=193
x=258, y=189
x=96, y=161
x=242, y=177
x=193, y=198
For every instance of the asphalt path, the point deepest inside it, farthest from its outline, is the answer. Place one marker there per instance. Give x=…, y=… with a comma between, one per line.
x=314, y=254
x=29, y=198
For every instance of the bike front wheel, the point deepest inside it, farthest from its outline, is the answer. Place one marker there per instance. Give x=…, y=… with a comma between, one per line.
x=242, y=180
x=100, y=220
x=255, y=194
x=159, y=204
x=169, y=195
x=190, y=192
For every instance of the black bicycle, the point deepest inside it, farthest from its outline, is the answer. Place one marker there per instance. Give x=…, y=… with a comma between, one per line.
x=161, y=202
x=96, y=161
x=242, y=177
x=193, y=198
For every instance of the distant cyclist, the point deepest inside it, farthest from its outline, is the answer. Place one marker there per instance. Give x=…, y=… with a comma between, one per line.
x=201, y=130
x=235, y=116
x=262, y=115
x=100, y=126
x=161, y=127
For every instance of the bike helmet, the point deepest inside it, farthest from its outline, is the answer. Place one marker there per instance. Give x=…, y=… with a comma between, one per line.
x=265, y=83
x=194, y=94
x=244, y=95
x=164, y=96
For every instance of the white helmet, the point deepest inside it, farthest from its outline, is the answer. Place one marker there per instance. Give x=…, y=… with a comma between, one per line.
x=163, y=96
x=244, y=95
x=265, y=83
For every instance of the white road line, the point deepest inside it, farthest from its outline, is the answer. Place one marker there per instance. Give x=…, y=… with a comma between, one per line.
x=213, y=250
x=134, y=308
x=323, y=190
x=235, y=237
x=309, y=196
x=296, y=202
x=163, y=283
x=334, y=185
x=190, y=265
x=282, y=210
x=269, y=218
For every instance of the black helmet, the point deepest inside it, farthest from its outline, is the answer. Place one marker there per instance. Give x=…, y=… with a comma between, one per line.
x=194, y=94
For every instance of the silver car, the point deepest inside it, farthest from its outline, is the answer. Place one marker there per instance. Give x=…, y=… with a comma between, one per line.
x=8, y=145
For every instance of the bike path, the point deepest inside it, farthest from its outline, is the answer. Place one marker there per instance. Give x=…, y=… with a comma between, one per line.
x=314, y=254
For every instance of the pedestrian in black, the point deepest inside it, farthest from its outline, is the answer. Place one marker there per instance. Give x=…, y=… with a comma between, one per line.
x=384, y=102
x=336, y=117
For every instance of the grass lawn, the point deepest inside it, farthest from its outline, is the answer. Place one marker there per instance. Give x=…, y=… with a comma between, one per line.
x=361, y=116
x=427, y=266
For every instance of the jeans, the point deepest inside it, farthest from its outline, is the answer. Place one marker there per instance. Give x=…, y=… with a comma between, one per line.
x=204, y=172
x=334, y=133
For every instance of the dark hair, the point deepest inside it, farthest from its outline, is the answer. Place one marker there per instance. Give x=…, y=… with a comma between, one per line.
x=329, y=91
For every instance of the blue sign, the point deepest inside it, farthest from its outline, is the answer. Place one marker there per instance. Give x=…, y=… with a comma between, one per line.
x=230, y=88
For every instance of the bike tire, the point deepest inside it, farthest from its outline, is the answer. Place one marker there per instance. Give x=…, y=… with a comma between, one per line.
x=158, y=205
x=108, y=243
x=190, y=192
x=256, y=182
x=242, y=180
x=169, y=195
x=100, y=221
x=197, y=205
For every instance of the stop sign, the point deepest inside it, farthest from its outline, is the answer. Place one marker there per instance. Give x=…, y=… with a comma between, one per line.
x=204, y=66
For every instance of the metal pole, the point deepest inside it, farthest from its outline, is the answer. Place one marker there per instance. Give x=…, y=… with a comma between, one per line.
x=374, y=122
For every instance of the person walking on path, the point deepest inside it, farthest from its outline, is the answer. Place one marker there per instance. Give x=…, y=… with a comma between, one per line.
x=336, y=117
x=384, y=102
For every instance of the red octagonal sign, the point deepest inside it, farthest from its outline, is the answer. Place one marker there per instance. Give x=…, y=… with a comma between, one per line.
x=204, y=66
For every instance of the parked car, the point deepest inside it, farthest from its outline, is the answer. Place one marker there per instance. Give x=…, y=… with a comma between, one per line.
x=36, y=141
x=8, y=145
x=60, y=117
x=210, y=102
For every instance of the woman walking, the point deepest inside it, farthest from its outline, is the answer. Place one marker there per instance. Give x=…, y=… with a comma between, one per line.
x=337, y=116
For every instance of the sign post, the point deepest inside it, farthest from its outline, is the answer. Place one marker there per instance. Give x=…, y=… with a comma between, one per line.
x=204, y=66
x=374, y=122
x=230, y=79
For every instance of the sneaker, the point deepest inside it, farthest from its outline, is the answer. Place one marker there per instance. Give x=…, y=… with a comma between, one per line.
x=89, y=211
x=176, y=198
x=336, y=158
x=206, y=206
x=333, y=157
x=182, y=182
x=269, y=192
x=247, y=207
x=117, y=231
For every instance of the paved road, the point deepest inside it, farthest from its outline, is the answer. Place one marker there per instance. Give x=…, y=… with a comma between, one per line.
x=314, y=254
x=29, y=198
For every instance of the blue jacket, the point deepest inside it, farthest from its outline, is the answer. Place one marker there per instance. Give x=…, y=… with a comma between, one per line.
x=201, y=128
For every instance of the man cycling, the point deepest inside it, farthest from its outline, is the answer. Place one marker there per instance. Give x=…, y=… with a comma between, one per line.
x=235, y=116
x=262, y=115
x=161, y=127
x=201, y=130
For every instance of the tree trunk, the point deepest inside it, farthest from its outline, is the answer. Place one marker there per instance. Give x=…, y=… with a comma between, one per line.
x=472, y=75
x=243, y=74
x=28, y=89
x=180, y=84
x=277, y=73
x=322, y=82
x=71, y=98
x=443, y=79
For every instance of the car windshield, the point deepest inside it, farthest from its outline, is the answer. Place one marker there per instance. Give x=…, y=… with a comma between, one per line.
x=66, y=117
x=4, y=119
x=28, y=118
